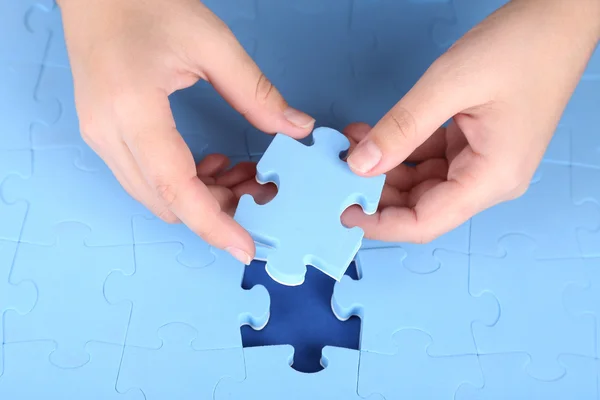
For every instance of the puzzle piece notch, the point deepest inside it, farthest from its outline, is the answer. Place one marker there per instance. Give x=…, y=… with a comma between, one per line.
x=29, y=375
x=14, y=165
x=530, y=293
x=196, y=253
x=388, y=298
x=270, y=376
x=21, y=109
x=71, y=290
x=546, y=213
x=175, y=368
x=162, y=291
x=297, y=243
x=506, y=377
x=59, y=191
x=412, y=371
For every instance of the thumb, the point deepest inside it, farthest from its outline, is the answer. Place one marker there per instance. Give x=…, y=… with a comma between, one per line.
x=233, y=73
x=428, y=105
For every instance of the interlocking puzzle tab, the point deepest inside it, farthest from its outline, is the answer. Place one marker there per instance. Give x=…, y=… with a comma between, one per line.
x=314, y=187
x=269, y=376
x=69, y=277
x=209, y=299
x=388, y=297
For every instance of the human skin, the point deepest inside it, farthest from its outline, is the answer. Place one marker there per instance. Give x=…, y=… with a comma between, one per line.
x=504, y=85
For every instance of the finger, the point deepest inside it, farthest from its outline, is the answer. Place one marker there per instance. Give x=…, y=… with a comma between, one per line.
x=168, y=166
x=243, y=171
x=212, y=165
x=405, y=177
x=408, y=124
x=433, y=147
x=262, y=194
x=234, y=74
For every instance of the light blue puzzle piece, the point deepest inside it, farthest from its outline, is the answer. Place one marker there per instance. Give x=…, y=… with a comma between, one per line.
x=586, y=193
x=71, y=309
x=14, y=298
x=175, y=369
x=29, y=375
x=12, y=215
x=196, y=253
x=388, y=297
x=26, y=44
x=581, y=115
x=269, y=376
x=546, y=213
x=506, y=378
x=411, y=373
x=467, y=14
x=583, y=300
x=58, y=191
x=209, y=299
x=314, y=187
x=21, y=110
x=533, y=318
x=51, y=25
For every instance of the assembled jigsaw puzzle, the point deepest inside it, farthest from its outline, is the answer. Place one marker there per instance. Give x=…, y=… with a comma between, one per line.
x=101, y=300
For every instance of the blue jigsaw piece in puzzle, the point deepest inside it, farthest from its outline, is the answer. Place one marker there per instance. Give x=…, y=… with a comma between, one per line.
x=467, y=14
x=29, y=375
x=209, y=299
x=196, y=253
x=21, y=110
x=505, y=377
x=175, y=369
x=581, y=116
x=26, y=44
x=583, y=300
x=71, y=309
x=269, y=376
x=388, y=297
x=546, y=213
x=314, y=187
x=531, y=296
x=59, y=191
x=17, y=165
x=14, y=298
x=50, y=24
x=412, y=373
x=586, y=192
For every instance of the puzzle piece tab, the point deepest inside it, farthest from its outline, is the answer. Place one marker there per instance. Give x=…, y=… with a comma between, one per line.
x=71, y=309
x=388, y=297
x=411, y=373
x=546, y=213
x=59, y=191
x=175, y=369
x=586, y=193
x=18, y=164
x=196, y=253
x=506, y=378
x=533, y=318
x=314, y=187
x=210, y=299
x=29, y=375
x=16, y=299
x=269, y=376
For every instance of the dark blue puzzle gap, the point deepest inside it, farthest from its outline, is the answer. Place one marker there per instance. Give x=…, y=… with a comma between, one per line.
x=301, y=316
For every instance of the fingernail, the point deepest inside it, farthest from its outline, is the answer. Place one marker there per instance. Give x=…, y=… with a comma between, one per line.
x=365, y=157
x=298, y=118
x=239, y=254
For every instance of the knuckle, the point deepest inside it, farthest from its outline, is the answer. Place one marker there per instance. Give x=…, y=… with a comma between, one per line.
x=403, y=123
x=167, y=193
x=264, y=89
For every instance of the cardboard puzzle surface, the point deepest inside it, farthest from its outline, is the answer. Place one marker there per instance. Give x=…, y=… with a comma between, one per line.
x=100, y=300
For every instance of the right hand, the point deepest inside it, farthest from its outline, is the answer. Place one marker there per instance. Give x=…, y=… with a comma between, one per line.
x=127, y=57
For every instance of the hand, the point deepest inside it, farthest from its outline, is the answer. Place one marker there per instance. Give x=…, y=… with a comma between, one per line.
x=504, y=86
x=127, y=57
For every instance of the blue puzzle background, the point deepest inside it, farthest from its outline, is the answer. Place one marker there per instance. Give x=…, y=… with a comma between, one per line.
x=100, y=300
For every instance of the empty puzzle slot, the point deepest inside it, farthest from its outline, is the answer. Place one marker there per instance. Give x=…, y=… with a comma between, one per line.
x=301, y=316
